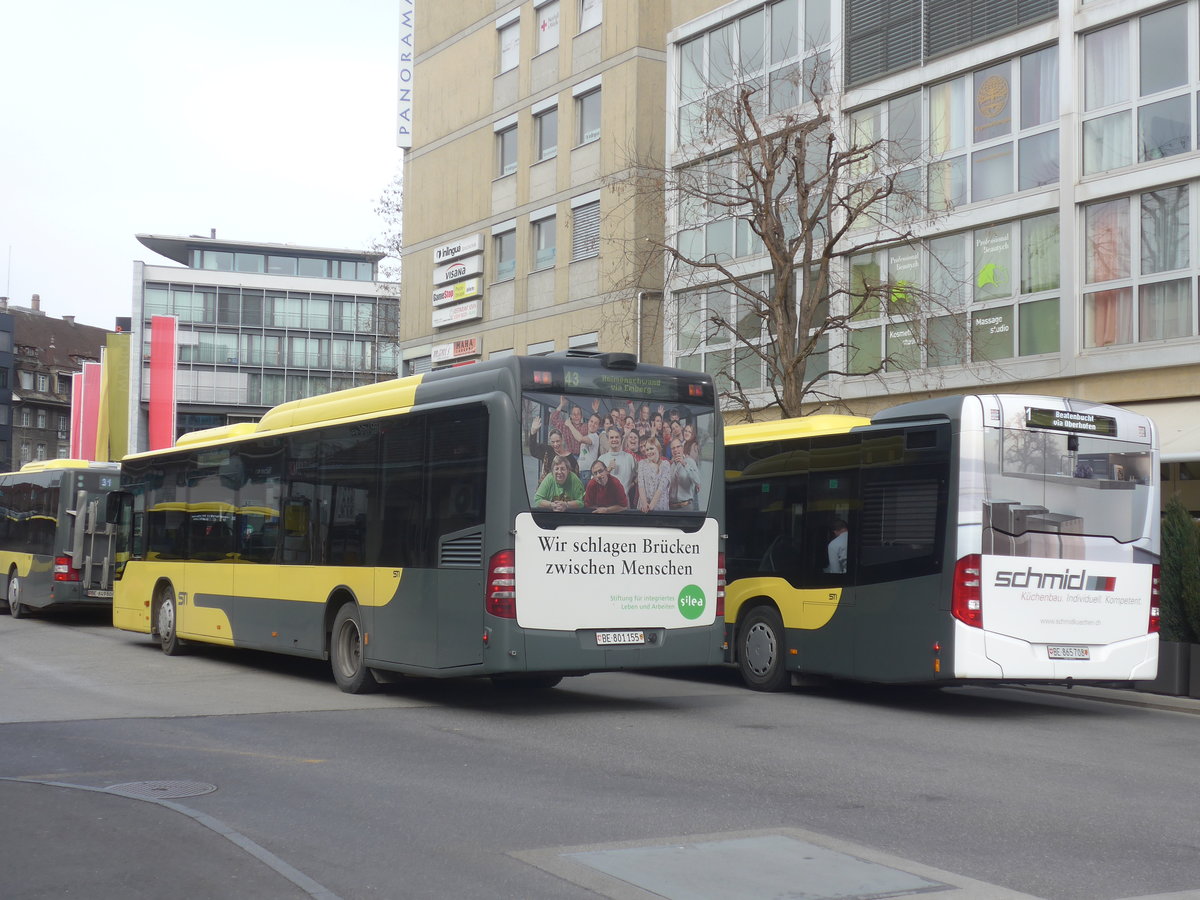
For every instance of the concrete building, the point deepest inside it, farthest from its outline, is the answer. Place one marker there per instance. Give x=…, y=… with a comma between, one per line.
x=526, y=116
x=257, y=324
x=44, y=353
x=1059, y=144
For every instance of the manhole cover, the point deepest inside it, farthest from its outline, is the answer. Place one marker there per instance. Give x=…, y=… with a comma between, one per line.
x=162, y=790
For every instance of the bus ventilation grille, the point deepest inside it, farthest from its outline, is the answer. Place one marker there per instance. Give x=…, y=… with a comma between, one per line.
x=464, y=552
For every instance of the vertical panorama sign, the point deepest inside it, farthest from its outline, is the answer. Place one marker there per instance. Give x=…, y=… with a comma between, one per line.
x=404, y=96
x=462, y=247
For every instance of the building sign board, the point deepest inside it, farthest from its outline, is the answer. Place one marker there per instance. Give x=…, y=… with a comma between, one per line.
x=457, y=271
x=462, y=247
x=462, y=290
x=455, y=350
x=460, y=312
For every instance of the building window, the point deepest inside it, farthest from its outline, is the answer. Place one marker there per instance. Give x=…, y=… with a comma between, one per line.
x=418, y=365
x=589, y=341
x=702, y=346
x=1147, y=120
x=26, y=417
x=589, y=14
x=26, y=452
x=510, y=44
x=779, y=51
x=505, y=244
x=1140, y=278
x=41, y=418
x=547, y=25
x=63, y=423
x=545, y=125
x=26, y=380
x=585, y=230
x=43, y=383
x=545, y=241
x=506, y=151
x=587, y=114
x=540, y=349
x=40, y=451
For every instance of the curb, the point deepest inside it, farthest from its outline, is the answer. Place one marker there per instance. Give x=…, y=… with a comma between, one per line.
x=1123, y=696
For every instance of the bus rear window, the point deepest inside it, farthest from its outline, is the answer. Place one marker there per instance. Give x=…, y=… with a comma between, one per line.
x=1065, y=484
x=605, y=453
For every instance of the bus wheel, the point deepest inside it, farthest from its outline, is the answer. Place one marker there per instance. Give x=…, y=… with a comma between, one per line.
x=346, y=653
x=15, y=609
x=168, y=637
x=760, y=650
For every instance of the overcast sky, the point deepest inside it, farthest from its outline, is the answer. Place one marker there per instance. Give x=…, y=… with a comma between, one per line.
x=268, y=120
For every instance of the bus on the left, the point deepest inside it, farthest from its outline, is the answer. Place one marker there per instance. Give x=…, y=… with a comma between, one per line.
x=55, y=548
x=481, y=520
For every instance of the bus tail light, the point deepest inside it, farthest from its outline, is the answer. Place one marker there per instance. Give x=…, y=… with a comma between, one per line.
x=966, y=604
x=721, y=585
x=501, y=585
x=1155, y=599
x=63, y=570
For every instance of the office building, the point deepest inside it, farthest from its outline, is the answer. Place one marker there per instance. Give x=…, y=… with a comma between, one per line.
x=1057, y=145
x=255, y=325
x=525, y=118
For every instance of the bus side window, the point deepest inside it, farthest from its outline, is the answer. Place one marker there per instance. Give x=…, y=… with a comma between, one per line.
x=457, y=470
x=404, y=525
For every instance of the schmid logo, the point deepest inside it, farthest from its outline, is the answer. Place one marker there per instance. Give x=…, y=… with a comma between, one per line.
x=1067, y=581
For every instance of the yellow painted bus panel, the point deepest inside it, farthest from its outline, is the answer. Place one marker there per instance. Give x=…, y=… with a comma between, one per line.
x=807, y=608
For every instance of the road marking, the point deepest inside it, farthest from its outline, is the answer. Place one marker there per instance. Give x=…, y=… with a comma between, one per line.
x=262, y=854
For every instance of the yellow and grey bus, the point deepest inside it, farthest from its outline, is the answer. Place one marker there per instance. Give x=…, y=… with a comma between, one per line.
x=458, y=523
x=964, y=539
x=55, y=546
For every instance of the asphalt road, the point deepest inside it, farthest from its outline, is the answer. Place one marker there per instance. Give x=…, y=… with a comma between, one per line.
x=261, y=779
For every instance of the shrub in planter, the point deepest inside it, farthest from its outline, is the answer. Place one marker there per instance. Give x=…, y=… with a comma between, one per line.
x=1179, y=587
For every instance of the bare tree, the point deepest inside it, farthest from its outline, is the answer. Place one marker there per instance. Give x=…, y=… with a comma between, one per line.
x=390, y=209
x=815, y=199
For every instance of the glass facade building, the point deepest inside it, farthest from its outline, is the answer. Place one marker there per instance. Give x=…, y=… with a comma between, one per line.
x=260, y=324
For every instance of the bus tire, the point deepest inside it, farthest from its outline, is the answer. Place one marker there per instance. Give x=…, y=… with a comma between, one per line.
x=168, y=631
x=15, y=609
x=346, y=653
x=761, y=650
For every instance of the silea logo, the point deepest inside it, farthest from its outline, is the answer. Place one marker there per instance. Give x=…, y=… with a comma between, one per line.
x=1067, y=581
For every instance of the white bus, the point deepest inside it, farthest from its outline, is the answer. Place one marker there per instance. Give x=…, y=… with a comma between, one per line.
x=969, y=538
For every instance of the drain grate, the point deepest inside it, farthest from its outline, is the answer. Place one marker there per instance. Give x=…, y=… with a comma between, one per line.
x=162, y=790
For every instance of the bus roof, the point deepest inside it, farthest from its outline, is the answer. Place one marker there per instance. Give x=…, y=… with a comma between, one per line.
x=780, y=429
x=45, y=465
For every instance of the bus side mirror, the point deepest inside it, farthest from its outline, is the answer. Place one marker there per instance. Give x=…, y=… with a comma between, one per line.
x=114, y=503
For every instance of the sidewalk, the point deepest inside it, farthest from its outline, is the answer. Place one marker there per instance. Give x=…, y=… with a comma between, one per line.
x=64, y=841
x=1125, y=696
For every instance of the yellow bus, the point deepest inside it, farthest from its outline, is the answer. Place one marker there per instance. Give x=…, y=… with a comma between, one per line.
x=457, y=523
x=55, y=546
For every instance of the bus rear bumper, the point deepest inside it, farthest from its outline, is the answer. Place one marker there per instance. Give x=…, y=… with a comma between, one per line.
x=581, y=651
x=986, y=655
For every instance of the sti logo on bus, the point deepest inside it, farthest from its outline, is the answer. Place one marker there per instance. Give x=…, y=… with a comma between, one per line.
x=1067, y=581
